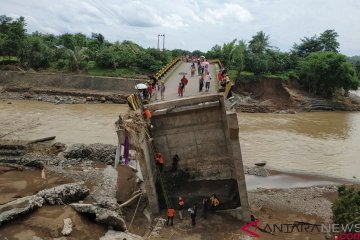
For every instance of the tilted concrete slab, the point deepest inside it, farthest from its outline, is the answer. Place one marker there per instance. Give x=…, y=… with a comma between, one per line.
x=205, y=137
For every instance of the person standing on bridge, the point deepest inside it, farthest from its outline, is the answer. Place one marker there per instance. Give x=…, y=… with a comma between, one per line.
x=201, y=82
x=207, y=82
x=162, y=90
x=181, y=88
x=185, y=81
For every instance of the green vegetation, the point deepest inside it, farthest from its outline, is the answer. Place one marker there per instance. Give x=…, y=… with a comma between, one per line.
x=346, y=208
x=314, y=62
x=78, y=53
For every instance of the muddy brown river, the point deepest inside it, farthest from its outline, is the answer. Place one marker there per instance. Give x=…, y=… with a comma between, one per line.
x=322, y=143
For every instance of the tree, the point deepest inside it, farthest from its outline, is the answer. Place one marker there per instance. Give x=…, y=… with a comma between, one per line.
x=259, y=43
x=67, y=41
x=307, y=46
x=346, y=208
x=215, y=52
x=76, y=58
x=323, y=73
x=238, y=58
x=328, y=41
x=34, y=53
x=12, y=35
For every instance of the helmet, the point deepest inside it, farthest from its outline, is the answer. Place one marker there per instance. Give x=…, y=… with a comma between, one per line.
x=180, y=199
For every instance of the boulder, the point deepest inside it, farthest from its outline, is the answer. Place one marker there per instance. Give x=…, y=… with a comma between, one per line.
x=18, y=207
x=105, y=191
x=67, y=229
x=65, y=193
x=58, y=195
x=102, y=215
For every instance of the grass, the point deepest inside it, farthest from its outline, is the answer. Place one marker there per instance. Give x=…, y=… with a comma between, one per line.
x=6, y=58
x=119, y=72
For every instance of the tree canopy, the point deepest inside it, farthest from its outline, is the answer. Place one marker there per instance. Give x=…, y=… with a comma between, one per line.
x=324, y=72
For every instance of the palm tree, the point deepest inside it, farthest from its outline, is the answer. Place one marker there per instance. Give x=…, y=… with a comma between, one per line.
x=75, y=57
x=259, y=43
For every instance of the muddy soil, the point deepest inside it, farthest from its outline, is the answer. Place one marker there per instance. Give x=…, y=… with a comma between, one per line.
x=47, y=222
x=15, y=184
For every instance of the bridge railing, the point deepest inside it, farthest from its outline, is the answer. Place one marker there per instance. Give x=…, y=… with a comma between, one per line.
x=229, y=84
x=159, y=74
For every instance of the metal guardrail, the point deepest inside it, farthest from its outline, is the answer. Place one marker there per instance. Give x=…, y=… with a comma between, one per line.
x=159, y=74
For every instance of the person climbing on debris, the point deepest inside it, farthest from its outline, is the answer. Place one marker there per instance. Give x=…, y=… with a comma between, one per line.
x=205, y=207
x=159, y=161
x=147, y=114
x=193, y=211
x=170, y=215
x=214, y=201
x=175, y=163
x=181, y=206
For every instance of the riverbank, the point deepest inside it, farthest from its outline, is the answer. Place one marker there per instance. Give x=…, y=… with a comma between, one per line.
x=281, y=205
x=271, y=95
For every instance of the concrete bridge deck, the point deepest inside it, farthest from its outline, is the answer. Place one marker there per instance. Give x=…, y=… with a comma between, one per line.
x=192, y=88
x=206, y=137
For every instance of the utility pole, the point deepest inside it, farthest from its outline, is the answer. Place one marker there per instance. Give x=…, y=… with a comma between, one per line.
x=158, y=46
x=163, y=42
x=158, y=42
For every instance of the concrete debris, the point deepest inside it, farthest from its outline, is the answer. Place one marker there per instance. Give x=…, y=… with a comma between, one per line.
x=67, y=229
x=102, y=215
x=95, y=152
x=105, y=192
x=114, y=235
x=58, y=195
x=65, y=193
x=160, y=222
x=19, y=207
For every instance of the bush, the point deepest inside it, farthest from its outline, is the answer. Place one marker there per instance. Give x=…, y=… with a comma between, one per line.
x=346, y=208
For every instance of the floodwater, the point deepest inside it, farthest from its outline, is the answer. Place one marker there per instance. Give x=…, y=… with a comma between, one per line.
x=70, y=123
x=320, y=143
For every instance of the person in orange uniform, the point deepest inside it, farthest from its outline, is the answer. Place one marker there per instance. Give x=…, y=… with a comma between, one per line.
x=181, y=206
x=159, y=161
x=170, y=215
x=147, y=114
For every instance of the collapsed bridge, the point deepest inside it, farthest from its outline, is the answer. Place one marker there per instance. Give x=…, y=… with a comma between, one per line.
x=206, y=138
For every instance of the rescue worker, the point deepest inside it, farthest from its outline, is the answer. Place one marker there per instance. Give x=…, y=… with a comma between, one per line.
x=175, y=163
x=193, y=211
x=214, y=201
x=147, y=114
x=205, y=207
x=159, y=161
x=170, y=215
x=181, y=206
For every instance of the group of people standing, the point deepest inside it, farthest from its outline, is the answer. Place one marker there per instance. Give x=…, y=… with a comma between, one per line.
x=209, y=204
x=204, y=80
x=153, y=89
